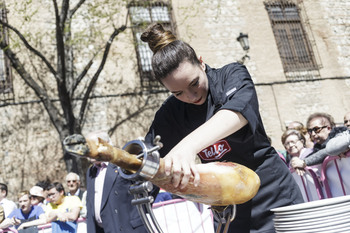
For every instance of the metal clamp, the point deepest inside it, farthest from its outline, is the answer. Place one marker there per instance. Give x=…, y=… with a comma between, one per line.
x=224, y=215
x=143, y=202
x=149, y=154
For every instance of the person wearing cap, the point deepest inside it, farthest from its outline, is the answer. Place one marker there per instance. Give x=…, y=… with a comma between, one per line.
x=37, y=196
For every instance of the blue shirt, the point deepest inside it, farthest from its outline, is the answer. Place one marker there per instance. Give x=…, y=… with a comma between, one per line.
x=33, y=214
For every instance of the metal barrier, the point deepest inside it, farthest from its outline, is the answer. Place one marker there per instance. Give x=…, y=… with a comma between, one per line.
x=309, y=185
x=182, y=216
x=174, y=216
x=329, y=180
x=333, y=173
x=46, y=228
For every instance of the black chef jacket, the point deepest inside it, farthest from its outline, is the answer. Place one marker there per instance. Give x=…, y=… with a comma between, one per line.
x=232, y=88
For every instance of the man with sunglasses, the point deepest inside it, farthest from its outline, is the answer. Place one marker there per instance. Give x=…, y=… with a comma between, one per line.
x=319, y=126
x=73, y=184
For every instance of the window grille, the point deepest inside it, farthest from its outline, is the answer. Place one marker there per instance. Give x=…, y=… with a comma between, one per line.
x=6, y=87
x=142, y=14
x=295, y=49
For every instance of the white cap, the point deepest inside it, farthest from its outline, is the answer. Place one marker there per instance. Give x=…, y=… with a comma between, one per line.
x=37, y=191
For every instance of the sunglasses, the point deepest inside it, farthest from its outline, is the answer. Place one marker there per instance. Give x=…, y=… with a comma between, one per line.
x=316, y=129
x=71, y=181
x=346, y=121
x=34, y=197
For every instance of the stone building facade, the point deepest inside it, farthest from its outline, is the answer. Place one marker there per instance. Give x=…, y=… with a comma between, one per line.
x=29, y=147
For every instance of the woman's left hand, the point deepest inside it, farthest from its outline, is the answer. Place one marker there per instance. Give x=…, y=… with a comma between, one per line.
x=180, y=162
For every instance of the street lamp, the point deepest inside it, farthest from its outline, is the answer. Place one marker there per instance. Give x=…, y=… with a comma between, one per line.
x=243, y=40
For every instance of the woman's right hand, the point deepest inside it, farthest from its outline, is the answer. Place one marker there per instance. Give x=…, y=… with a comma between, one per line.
x=180, y=163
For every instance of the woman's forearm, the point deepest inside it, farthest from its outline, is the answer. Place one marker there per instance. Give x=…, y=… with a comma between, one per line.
x=181, y=159
x=222, y=124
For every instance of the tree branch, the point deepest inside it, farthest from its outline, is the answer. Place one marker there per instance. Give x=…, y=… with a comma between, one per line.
x=130, y=116
x=64, y=96
x=72, y=12
x=29, y=47
x=64, y=12
x=96, y=75
x=60, y=46
x=40, y=93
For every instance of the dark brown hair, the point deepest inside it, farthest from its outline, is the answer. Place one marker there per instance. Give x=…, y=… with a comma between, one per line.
x=4, y=188
x=57, y=185
x=168, y=52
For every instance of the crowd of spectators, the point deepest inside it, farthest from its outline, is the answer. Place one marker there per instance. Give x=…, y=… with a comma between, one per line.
x=43, y=203
x=310, y=145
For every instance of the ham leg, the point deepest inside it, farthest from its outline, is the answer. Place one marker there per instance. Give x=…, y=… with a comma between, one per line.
x=221, y=183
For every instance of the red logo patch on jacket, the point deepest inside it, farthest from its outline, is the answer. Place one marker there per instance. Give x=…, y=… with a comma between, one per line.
x=215, y=151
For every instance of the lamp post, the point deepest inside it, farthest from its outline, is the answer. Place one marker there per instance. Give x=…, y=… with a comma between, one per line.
x=243, y=40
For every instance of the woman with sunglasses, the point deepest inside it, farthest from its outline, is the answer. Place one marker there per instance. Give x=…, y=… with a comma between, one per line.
x=214, y=113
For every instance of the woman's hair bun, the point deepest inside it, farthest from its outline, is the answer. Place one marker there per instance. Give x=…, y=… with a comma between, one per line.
x=156, y=37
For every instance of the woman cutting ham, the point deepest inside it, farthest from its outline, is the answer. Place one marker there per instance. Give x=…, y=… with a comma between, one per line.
x=214, y=114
